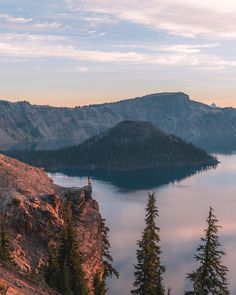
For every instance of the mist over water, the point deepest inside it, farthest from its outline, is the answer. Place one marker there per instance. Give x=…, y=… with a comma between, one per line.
x=184, y=197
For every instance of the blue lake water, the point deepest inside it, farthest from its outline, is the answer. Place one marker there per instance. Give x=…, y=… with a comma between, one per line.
x=183, y=201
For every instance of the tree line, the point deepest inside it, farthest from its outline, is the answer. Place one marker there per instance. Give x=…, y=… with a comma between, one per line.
x=65, y=274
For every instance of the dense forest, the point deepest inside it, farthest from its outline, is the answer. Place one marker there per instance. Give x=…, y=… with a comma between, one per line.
x=130, y=145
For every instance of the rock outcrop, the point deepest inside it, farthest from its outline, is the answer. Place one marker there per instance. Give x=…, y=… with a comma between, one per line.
x=15, y=282
x=31, y=206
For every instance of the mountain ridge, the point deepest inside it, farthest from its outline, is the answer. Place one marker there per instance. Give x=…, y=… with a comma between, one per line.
x=26, y=102
x=26, y=126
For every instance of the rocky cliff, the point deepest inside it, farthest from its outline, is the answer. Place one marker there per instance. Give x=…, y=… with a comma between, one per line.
x=23, y=125
x=15, y=282
x=31, y=206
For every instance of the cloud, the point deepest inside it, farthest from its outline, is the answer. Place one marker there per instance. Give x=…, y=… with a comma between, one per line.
x=12, y=19
x=47, y=25
x=35, y=46
x=180, y=17
x=30, y=22
x=95, y=21
x=83, y=69
x=45, y=46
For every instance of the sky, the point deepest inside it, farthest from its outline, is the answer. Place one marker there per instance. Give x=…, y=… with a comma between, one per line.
x=79, y=52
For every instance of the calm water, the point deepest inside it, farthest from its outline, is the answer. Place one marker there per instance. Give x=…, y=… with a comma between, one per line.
x=183, y=207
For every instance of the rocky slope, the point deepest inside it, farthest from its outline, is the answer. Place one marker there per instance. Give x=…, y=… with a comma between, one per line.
x=31, y=205
x=14, y=282
x=23, y=125
x=130, y=145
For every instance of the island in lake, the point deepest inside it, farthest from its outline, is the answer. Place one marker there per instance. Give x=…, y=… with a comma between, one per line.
x=128, y=146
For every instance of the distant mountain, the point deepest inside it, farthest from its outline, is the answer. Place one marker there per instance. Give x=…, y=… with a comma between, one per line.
x=130, y=145
x=213, y=105
x=26, y=126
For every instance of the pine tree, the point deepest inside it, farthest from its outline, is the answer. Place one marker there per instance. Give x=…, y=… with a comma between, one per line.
x=210, y=276
x=149, y=271
x=109, y=270
x=5, y=252
x=99, y=285
x=68, y=277
x=70, y=260
x=64, y=279
x=52, y=271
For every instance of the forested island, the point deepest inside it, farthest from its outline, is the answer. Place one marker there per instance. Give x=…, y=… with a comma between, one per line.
x=130, y=145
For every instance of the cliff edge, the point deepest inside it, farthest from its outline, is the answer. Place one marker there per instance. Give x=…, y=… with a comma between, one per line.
x=31, y=206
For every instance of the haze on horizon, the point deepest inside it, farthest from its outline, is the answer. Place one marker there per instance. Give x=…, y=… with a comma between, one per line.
x=78, y=52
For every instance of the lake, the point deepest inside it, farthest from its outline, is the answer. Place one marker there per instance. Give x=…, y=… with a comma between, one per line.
x=184, y=198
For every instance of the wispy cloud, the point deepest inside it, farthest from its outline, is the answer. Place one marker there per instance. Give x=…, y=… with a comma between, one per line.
x=34, y=46
x=95, y=21
x=47, y=25
x=13, y=19
x=83, y=69
x=30, y=23
x=186, y=48
x=181, y=17
x=45, y=46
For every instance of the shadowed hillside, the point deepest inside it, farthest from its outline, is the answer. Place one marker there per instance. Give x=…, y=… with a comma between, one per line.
x=130, y=145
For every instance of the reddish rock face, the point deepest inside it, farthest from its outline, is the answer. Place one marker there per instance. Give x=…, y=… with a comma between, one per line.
x=32, y=208
x=15, y=283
